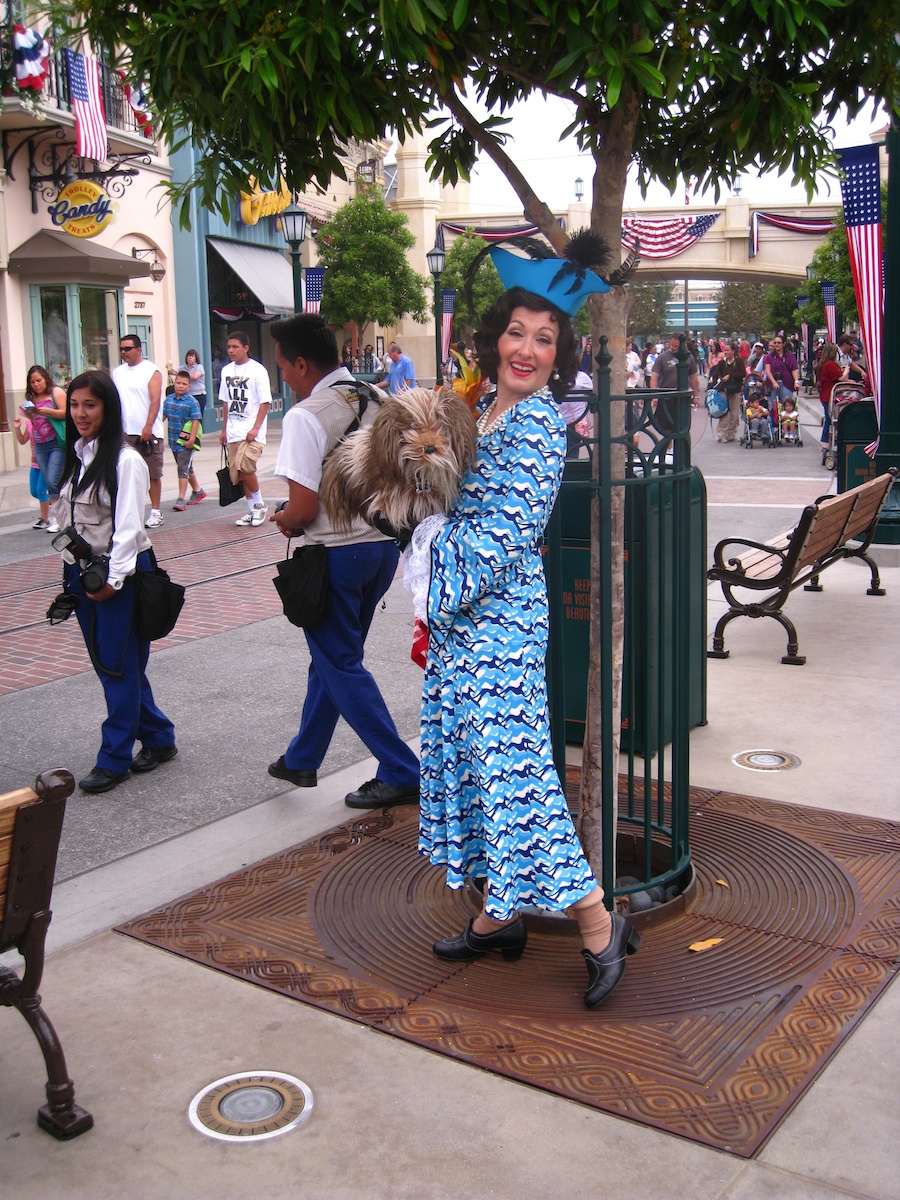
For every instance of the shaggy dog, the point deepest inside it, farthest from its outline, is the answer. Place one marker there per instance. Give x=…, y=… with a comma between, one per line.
x=405, y=465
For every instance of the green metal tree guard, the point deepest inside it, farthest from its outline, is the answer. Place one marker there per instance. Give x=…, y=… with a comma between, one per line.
x=664, y=670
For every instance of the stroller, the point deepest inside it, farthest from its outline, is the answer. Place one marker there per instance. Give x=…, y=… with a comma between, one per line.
x=843, y=393
x=767, y=434
x=789, y=439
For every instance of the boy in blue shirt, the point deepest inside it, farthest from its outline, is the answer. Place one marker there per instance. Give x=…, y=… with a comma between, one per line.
x=182, y=412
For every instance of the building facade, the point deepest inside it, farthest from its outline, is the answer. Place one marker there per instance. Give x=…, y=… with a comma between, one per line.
x=85, y=244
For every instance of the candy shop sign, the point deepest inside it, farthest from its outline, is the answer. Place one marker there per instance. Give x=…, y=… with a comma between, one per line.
x=82, y=209
x=255, y=204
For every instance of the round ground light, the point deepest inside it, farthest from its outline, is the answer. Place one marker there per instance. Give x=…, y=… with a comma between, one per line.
x=766, y=760
x=251, y=1106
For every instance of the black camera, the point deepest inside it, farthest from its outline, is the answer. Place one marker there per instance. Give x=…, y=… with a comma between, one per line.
x=70, y=539
x=96, y=573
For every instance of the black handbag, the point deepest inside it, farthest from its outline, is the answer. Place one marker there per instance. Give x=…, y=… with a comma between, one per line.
x=302, y=584
x=157, y=603
x=228, y=492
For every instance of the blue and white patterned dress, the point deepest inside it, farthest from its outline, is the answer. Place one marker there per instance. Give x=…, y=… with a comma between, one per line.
x=491, y=802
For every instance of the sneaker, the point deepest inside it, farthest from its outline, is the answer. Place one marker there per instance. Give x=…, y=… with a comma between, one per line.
x=196, y=497
x=378, y=794
x=53, y=527
x=154, y=520
x=255, y=517
x=40, y=523
x=180, y=504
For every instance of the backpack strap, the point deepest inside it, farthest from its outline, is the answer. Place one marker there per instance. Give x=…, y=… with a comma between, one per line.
x=362, y=394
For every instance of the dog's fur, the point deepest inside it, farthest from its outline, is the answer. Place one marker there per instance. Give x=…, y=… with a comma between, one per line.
x=406, y=465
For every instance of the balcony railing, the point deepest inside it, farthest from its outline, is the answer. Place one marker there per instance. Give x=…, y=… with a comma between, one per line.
x=56, y=95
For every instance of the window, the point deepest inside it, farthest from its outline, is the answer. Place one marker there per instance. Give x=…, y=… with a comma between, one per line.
x=76, y=328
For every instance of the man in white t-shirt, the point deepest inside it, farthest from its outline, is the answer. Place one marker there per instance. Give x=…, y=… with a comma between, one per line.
x=139, y=384
x=245, y=393
x=361, y=567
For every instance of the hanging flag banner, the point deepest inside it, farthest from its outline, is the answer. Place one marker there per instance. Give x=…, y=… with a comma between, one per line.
x=664, y=237
x=31, y=55
x=487, y=233
x=829, y=303
x=315, y=277
x=802, y=302
x=861, y=193
x=447, y=308
x=138, y=97
x=87, y=105
x=818, y=226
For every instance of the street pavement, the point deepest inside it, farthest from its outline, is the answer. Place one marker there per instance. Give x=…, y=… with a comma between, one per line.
x=143, y=1031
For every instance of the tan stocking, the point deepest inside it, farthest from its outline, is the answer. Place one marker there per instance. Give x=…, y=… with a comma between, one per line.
x=594, y=921
x=484, y=925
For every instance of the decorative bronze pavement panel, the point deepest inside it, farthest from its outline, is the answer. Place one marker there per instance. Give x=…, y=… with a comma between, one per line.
x=714, y=1046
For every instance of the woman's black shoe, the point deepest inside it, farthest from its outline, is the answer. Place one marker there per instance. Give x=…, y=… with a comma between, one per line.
x=509, y=941
x=606, y=969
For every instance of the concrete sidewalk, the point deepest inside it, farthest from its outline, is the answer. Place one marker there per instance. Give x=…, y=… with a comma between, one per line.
x=144, y=1031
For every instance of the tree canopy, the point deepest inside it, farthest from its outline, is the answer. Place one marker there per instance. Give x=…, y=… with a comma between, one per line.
x=367, y=278
x=741, y=308
x=683, y=89
x=647, y=315
x=486, y=286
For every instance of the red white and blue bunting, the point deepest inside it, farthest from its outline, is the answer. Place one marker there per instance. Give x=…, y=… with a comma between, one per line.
x=31, y=55
x=817, y=226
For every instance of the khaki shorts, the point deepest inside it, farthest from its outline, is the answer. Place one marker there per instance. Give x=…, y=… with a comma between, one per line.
x=152, y=453
x=242, y=458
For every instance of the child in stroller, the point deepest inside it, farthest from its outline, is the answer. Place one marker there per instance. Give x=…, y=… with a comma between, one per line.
x=757, y=417
x=790, y=422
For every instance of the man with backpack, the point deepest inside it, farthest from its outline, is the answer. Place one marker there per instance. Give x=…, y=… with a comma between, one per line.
x=361, y=566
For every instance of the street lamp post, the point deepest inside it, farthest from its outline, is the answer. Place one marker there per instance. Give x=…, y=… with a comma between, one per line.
x=435, y=259
x=293, y=226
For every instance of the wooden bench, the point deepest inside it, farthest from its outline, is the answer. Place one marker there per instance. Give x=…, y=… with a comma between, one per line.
x=30, y=827
x=821, y=537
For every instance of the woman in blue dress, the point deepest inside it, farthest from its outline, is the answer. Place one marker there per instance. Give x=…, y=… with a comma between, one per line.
x=491, y=801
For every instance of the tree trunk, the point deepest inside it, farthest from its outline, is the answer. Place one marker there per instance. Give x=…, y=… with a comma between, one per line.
x=612, y=156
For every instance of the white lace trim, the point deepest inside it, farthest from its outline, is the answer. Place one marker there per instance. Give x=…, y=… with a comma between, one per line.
x=417, y=562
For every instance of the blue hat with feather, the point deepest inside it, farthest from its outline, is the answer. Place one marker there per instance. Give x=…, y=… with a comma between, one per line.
x=563, y=282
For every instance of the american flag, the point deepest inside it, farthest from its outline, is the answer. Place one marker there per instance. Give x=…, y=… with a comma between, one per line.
x=87, y=104
x=802, y=302
x=314, y=278
x=861, y=192
x=664, y=237
x=447, y=320
x=813, y=225
x=829, y=303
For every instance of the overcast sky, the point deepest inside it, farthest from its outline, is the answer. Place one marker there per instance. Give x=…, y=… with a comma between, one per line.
x=552, y=167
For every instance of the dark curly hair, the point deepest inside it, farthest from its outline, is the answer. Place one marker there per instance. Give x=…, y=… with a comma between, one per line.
x=495, y=323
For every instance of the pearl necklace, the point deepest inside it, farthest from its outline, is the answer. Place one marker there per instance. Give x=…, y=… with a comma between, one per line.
x=486, y=424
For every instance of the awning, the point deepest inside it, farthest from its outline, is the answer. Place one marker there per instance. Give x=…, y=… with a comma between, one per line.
x=263, y=271
x=65, y=259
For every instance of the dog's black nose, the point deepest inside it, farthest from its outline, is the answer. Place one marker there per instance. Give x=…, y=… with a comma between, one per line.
x=431, y=449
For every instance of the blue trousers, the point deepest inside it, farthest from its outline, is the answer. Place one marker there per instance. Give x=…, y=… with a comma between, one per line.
x=120, y=661
x=338, y=684
x=50, y=457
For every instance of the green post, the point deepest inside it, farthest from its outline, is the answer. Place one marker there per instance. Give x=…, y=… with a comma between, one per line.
x=887, y=531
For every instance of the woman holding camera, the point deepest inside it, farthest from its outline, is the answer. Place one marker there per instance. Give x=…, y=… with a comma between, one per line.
x=103, y=543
